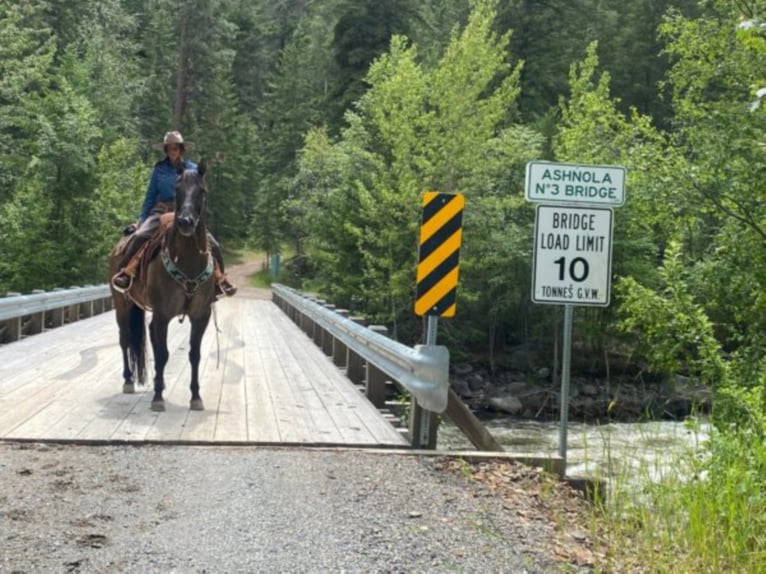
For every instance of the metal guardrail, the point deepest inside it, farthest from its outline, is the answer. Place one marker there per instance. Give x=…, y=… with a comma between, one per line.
x=422, y=370
x=29, y=314
x=20, y=305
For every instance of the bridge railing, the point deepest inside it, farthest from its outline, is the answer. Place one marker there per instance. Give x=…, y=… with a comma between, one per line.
x=22, y=315
x=423, y=370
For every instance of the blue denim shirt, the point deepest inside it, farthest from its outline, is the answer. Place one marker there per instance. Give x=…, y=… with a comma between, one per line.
x=162, y=185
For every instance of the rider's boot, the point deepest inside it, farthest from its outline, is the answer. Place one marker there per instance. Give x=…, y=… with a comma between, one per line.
x=223, y=287
x=123, y=279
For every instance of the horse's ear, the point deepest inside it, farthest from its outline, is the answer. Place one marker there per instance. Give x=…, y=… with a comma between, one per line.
x=179, y=167
x=202, y=167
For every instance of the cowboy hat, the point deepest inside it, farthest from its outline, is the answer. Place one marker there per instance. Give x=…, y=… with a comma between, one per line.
x=173, y=137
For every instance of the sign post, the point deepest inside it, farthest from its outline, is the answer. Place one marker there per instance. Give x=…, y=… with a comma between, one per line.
x=573, y=245
x=441, y=233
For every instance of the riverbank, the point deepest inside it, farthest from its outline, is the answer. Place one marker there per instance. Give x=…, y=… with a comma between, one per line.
x=536, y=396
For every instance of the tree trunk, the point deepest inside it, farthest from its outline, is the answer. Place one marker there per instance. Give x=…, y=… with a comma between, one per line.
x=179, y=104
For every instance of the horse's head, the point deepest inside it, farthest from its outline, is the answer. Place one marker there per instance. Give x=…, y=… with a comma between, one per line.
x=191, y=196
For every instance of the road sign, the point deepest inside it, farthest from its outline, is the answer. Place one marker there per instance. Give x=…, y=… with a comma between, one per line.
x=440, y=235
x=548, y=182
x=572, y=255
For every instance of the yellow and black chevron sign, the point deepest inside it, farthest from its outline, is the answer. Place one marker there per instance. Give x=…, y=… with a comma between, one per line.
x=440, y=235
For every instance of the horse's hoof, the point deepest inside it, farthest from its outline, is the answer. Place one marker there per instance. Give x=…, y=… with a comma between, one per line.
x=128, y=388
x=158, y=406
x=196, y=405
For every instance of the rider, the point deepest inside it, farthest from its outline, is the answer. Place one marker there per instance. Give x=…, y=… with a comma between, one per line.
x=160, y=198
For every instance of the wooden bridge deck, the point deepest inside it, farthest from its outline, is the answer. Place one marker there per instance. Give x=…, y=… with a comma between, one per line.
x=262, y=379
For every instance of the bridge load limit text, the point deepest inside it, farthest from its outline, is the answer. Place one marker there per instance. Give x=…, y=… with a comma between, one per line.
x=587, y=237
x=572, y=261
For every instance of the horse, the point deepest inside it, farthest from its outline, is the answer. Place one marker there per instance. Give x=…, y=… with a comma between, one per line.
x=177, y=280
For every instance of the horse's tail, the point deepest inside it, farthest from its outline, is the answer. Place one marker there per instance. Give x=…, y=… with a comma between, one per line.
x=137, y=352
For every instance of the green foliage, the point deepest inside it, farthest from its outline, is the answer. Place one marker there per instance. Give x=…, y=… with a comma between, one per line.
x=701, y=514
x=415, y=129
x=27, y=50
x=676, y=333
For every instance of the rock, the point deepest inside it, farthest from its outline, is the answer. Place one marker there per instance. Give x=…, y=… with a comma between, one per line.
x=517, y=388
x=543, y=373
x=507, y=404
x=522, y=357
x=589, y=390
x=462, y=369
x=475, y=382
x=460, y=386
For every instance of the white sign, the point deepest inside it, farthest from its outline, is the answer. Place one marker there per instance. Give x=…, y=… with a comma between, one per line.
x=569, y=183
x=572, y=255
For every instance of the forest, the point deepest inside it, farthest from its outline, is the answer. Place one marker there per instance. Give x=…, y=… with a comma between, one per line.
x=324, y=122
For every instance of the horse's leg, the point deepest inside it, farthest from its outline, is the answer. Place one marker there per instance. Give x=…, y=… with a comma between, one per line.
x=127, y=375
x=198, y=327
x=159, y=336
x=130, y=323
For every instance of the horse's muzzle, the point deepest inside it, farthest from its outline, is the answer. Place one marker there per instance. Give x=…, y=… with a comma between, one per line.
x=186, y=224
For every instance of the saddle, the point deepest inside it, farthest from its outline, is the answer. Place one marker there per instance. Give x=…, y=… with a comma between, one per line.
x=145, y=255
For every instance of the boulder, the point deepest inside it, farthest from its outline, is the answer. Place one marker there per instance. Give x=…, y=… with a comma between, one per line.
x=506, y=404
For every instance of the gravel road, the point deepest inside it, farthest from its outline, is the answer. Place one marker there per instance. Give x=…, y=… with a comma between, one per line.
x=187, y=509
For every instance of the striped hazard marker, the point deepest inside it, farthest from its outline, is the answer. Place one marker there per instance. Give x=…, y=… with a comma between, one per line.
x=440, y=235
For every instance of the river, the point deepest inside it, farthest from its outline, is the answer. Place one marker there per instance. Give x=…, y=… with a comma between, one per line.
x=639, y=450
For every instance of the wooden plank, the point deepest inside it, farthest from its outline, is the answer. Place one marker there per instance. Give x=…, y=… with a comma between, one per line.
x=232, y=424
x=72, y=406
x=328, y=407
x=38, y=356
x=356, y=418
x=31, y=397
x=342, y=395
x=289, y=412
x=200, y=425
x=129, y=417
x=323, y=424
x=472, y=427
x=169, y=424
x=273, y=385
x=262, y=424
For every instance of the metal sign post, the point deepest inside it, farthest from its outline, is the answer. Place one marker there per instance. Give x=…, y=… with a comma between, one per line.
x=566, y=356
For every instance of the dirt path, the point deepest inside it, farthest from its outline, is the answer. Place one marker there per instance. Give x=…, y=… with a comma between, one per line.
x=240, y=273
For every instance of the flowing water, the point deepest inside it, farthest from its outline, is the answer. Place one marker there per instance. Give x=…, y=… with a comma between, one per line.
x=605, y=450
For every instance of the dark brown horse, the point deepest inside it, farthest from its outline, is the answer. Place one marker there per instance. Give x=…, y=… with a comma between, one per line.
x=178, y=280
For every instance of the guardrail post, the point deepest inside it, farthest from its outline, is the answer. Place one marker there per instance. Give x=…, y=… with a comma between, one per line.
x=86, y=309
x=339, y=350
x=56, y=316
x=72, y=313
x=13, y=326
x=354, y=362
x=422, y=425
x=36, y=320
x=375, y=380
x=316, y=328
x=13, y=330
x=326, y=343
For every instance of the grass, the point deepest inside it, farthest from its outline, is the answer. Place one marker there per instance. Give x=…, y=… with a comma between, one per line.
x=702, y=511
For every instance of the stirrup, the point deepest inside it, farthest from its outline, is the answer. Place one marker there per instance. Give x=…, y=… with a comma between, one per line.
x=223, y=287
x=117, y=287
